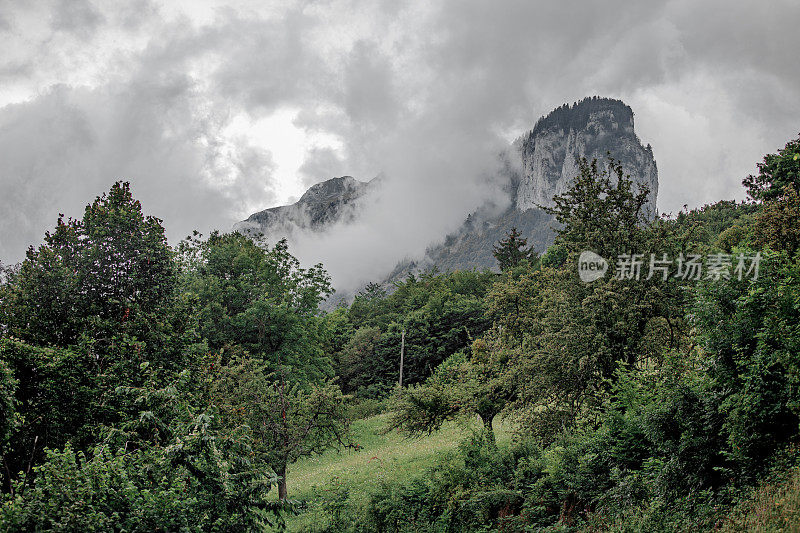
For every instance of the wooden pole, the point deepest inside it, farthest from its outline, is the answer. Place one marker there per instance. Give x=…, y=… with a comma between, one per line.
x=402, y=351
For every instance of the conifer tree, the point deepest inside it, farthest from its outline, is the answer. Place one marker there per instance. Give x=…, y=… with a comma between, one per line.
x=510, y=251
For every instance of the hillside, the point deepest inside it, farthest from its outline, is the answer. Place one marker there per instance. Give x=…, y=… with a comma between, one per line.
x=382, y=457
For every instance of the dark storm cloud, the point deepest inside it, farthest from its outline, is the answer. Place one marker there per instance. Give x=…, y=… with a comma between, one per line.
x=425, y=93
x=155, y=127
x=152, y=125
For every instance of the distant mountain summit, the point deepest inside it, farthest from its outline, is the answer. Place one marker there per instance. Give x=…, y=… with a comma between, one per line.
x=334, y=200
x=537, y=166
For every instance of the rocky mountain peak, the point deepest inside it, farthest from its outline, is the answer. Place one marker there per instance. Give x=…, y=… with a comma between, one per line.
x=591, y=128
x=322, y=204
x=590, y=112
x=539, y=165
x=334, y=189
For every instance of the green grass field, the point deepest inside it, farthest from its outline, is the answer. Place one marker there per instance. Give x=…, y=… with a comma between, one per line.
x=382, y=457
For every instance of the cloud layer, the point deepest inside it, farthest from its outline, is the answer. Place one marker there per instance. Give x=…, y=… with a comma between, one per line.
x=425, y=93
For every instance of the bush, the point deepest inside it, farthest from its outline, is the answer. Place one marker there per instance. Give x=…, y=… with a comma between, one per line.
x=360, y=408
x=104, y=492
x=144, y=490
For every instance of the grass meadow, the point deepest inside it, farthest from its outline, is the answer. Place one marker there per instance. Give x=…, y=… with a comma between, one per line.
x=382, y=456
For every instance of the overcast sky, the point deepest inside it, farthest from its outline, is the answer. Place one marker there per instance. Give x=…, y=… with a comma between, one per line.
x=216, y=110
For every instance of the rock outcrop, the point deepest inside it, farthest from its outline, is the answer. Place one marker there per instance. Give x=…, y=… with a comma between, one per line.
x=591, y=128
x=539, y=165
x=325, y=203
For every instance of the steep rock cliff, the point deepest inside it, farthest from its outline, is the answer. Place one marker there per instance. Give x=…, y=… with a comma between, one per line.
x=591, y=128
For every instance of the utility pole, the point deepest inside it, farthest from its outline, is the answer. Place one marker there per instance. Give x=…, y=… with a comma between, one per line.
x=402, y=350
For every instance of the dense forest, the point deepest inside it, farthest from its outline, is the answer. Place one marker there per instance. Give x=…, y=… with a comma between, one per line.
x=145, y=387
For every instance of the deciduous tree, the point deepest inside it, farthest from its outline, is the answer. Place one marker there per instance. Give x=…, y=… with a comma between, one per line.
x=288, y=421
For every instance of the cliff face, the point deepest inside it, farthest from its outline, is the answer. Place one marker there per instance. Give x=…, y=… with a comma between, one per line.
x=591, y=129
x=540, y=165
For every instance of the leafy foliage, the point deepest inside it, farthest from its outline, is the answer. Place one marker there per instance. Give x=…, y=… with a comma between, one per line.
x=174, y=469
x=601, y=211
x=441, y=313
x=641, y=404
x=109, y=273
x=144, y=388
x=777, y=226
x=776, y=173
x=112, y=410
x=259, y=300
x=287, y=421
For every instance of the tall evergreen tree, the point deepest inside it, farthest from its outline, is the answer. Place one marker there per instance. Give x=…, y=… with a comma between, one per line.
x=512, y=250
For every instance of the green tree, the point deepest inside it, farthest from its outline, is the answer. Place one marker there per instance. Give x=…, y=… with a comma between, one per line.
x=288, y=421
x=356, y=358
x=169, y=468
x=369, y=306
x=749, y=328
x=258, y=299
x=441, y=313
x=461, y=386
x=573, y=334
x=79, y=315
x=778, y=223
x=512, y=250
x=601, y=211
x=56, y=400
x=96, y=277
x=8, y=405
x=510, y=302
x=776, y=173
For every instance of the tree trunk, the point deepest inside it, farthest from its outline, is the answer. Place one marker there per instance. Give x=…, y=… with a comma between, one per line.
x=487, y=423
x=282, y=492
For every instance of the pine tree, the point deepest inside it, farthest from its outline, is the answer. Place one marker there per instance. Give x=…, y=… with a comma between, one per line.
x=510, y=251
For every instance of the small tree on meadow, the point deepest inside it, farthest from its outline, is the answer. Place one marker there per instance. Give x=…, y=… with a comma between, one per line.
x=288, y=421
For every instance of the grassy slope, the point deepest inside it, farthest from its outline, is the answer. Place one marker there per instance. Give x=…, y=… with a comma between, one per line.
x=773, y=506
x=382, y=457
